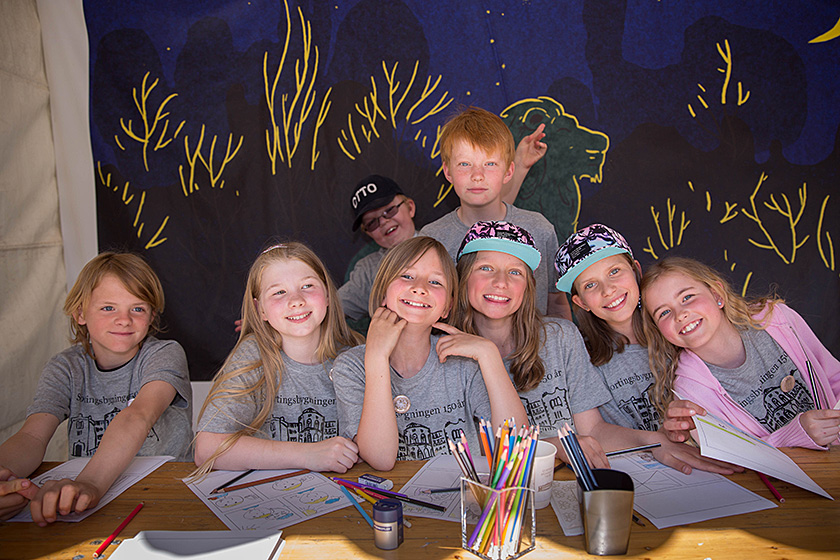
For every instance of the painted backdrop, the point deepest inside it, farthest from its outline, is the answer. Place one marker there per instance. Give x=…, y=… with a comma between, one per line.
x=707, y=129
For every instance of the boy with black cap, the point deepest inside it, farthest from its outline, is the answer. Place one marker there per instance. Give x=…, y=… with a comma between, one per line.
x=386, y=215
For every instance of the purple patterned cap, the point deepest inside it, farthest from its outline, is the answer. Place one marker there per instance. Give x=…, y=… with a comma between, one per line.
x=585, y=247
x=503, y=237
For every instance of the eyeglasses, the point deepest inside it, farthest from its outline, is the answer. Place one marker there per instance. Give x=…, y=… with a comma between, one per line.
x=373, y=225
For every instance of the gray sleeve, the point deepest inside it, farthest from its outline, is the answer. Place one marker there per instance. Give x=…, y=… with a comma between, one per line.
x=476, y=393
x=55, y=387
x=166, y=361
x=586, y=385
x=348, y=376
x=355, y=293
x=230, y=412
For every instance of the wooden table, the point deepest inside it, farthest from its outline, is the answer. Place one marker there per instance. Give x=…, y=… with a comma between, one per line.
x=805, y=526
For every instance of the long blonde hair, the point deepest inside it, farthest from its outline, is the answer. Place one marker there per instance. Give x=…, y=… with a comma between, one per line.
x=602, y=341
x=132, y=271
x=664, y=357
x=402, y=256
x=527, y=326
x=335, y=336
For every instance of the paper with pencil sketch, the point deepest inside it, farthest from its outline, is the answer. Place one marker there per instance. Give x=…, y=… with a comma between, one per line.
x=668, y=497
x=273, y=505
x=210, y=545
x=440, y=471
x=135, y=472
x=718, y=439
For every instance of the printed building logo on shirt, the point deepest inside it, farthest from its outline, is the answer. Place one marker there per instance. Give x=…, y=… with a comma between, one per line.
x=311, y=426
x=550, y=411
x=419, y=442
x=641, y=410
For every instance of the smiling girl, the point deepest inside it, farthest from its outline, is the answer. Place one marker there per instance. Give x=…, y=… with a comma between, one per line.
x=755, y=363
x=272, y=405
x=403, y=393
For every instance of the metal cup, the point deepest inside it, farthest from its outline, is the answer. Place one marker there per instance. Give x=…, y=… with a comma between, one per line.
x=607, y=512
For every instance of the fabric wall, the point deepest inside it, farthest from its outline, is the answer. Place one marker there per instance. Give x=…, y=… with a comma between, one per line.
x=32, y=289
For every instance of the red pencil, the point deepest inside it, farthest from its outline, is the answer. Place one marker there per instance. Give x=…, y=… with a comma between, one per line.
x=116, y=532
x=770, y=487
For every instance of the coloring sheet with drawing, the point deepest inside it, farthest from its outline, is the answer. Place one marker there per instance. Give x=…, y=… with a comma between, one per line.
x=135, y=472
x=269, y=506
x=721, y=440
x=667, y=497
x=439, y=472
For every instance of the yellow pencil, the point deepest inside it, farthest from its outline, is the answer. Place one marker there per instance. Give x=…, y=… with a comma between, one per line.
x=364, y=495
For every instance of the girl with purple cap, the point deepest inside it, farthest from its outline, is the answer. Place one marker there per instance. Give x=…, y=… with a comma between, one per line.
x=596, y=266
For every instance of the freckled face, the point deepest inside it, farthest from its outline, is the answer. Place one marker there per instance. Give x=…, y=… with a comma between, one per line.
x=609, y=290
x=686, y=312
x=420, y=294
x=293, y=300
x=117, y=322
x=497, y=283
x=477, y=176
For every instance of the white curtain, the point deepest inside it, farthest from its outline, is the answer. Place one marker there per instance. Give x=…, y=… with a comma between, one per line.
x=36, y=117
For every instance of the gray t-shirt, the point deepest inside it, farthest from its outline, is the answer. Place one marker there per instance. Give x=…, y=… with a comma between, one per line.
x=73, y=387
x=759, y=383
x=570, y=384
x=629, y=380
x=304, y=409
x=355, y=293
x=450, y=231
x=445, y=399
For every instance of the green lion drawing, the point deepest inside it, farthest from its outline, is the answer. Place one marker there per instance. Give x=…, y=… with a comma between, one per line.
x=552, y=186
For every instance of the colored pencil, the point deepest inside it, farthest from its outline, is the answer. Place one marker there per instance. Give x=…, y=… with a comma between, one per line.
x=364, y=495
x=389, y=494
x=633, y=449
x=116, y=532
x=236, y=478
x=264, y=480
x=357, y=506
x=440, y=490
x=770, y=487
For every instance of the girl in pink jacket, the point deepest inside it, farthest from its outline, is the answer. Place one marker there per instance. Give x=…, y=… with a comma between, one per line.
x=756, y=364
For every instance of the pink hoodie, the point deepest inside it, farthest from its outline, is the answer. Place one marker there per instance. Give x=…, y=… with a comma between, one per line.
x=695, y=382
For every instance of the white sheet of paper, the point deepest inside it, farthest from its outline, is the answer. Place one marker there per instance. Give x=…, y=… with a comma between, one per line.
x=564, y=502
x=211, y=545
x=668, y=497
x=270, y=506
x=439, y=472
x=721, y=440
x=135, y=472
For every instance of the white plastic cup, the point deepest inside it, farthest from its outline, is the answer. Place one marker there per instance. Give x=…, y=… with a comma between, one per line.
x=543, y=473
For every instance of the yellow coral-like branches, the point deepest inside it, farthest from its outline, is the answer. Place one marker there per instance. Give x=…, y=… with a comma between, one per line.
x=785, y=211
x=149, y=123
x=373, y=108
x=188, y=185
x=826, y=254
x=284, y=137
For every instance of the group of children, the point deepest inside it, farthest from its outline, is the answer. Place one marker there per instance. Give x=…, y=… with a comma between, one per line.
x=462, y=328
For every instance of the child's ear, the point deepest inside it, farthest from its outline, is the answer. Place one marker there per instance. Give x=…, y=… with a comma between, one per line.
x=446, y=172
x=411, y=207
x=259, y=310
x=79, y=315
x=579, y=302
x=509, y=174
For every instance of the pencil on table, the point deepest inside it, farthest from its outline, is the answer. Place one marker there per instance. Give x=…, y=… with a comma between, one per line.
x=263, y=481
x=357, y=506
x=116, y=532
x=236, y=478
x=770, y=487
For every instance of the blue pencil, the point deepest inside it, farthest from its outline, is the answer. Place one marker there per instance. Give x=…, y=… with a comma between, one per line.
x=356, y=505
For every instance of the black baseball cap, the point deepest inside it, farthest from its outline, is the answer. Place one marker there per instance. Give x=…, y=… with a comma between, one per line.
x=372, y=192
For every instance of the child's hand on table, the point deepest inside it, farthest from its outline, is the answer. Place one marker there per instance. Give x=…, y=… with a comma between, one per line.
x=61, y=497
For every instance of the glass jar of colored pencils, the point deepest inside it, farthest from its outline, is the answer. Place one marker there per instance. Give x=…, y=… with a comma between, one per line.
x=497, y=523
